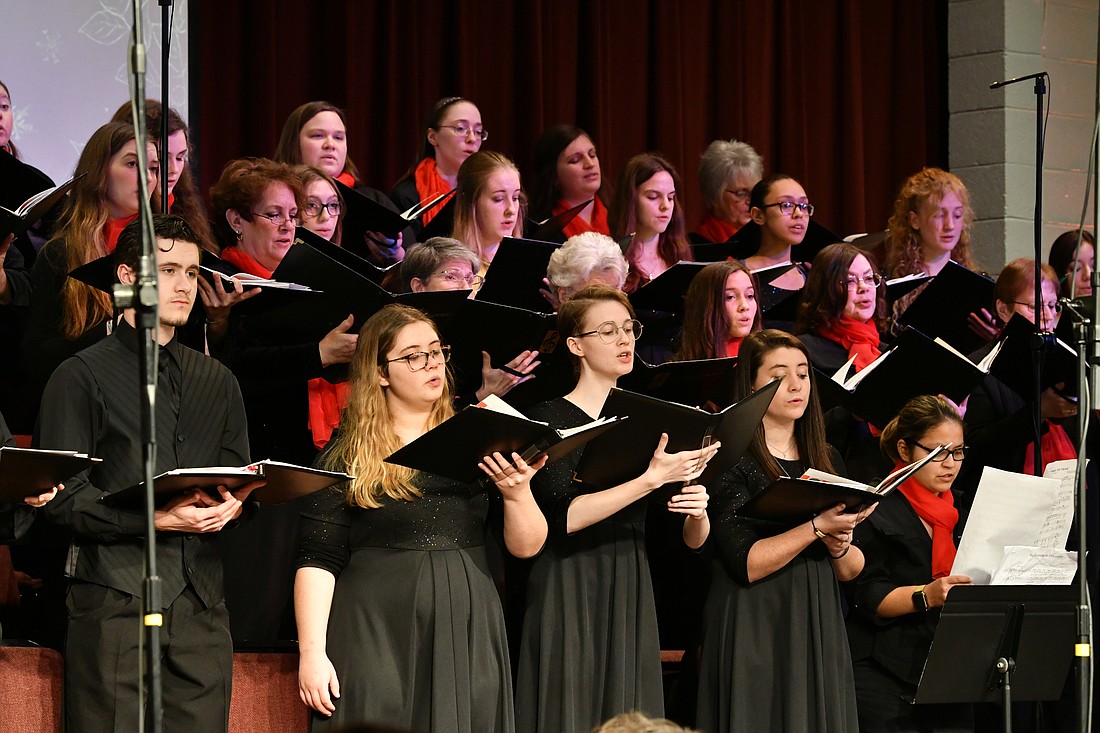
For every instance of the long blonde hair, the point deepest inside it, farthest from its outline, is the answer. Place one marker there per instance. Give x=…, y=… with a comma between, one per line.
x=473, y=178
x=366, y=434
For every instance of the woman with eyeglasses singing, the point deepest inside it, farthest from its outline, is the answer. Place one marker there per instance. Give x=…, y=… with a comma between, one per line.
x=909, y=544
x=589, y=648
x=454, y=132
x=842, y=305
x=774, y=656
x=315, y=134
x=399, y=622
x=728, y=170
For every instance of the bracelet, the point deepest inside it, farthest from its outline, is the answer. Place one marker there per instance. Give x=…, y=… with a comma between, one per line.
x=211, y=322
x=820, y=535
x=837, y=557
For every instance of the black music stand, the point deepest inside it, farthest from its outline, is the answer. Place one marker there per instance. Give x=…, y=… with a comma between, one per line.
x=1006, y=642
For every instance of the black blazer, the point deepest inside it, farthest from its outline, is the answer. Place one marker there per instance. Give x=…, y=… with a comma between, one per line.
x=898, y=552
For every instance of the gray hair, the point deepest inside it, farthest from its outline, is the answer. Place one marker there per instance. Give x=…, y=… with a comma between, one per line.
x=572, y=264
x=722, y=161
x=425, y=258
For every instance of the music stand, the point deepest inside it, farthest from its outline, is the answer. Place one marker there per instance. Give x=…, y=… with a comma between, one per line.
x=1008, y=642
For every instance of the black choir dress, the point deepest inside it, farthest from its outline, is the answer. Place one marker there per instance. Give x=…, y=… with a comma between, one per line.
x=590, y=648
x=775, y=653
x=416, y=631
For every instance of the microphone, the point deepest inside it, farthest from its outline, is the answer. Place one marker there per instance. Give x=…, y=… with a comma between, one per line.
x=1006, y=82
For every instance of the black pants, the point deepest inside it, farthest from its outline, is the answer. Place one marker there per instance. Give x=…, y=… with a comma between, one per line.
x=882, y=702
x=102, y=663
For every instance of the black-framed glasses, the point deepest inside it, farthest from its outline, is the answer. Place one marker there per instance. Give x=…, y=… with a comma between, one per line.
x=314, y=208
x=1030, y=307
x=458, y=277
x=870, y=280
x=786, y=208
x=741, y=194
x=957, y=453
x=279, y=219
x=608, y=331
x=462, y=130
x=419, y=359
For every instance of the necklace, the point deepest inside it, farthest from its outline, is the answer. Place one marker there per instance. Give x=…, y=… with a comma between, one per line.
x=784, y=453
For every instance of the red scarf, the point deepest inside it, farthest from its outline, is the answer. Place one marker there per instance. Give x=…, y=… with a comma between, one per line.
x=578, y=225
x=714, y=229
x=1054, y=445
x=430, y=184
x=940, y=512
x=245, y=262
x=347, y=179
x=733, y=346
x=113, y=228
x=859, y=337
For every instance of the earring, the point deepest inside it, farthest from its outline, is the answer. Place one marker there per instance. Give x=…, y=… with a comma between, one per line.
x=239, y=233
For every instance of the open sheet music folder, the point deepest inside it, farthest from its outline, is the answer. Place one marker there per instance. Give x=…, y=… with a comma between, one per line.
x=29, y=472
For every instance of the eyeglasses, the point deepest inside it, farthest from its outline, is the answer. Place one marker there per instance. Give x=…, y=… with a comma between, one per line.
x=958, y=453
x=741, y=194
x=279, y=219
x=314, y=208
x=471, y=281
x=1030, y=307
x=462, y=130
x=608, y=331
x=419, y=359
x=786, y=208
x=872, y=281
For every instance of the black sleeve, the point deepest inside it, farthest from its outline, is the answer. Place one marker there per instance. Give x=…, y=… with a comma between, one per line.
x=733, y=536
x=324, y=531
x=15, y=519
x=19, y=280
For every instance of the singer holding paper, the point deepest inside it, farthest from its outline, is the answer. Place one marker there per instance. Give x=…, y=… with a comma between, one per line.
x=909, y=544
x=399, y=622
x=774, y=654
x=589, y=647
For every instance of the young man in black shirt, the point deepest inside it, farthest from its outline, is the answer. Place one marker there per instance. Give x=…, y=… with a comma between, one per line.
x=91, y=405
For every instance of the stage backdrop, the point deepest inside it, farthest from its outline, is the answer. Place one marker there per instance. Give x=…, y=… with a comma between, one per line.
x=65, y=63
x=846, y=95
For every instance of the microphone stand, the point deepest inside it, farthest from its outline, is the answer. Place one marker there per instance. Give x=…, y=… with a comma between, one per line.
x=143, y=298
x=165, y=86
x=1038, y=343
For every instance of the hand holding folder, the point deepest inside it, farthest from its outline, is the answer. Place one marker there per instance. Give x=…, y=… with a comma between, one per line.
x=28, y=472
x=30, y=211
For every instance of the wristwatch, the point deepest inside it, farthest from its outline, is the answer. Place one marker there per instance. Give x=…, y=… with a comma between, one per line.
x=919, y=599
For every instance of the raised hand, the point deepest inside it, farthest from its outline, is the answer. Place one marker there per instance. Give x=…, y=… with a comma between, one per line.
x=338, y=346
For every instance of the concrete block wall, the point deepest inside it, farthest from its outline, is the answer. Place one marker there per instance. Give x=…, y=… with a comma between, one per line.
x=992, y=132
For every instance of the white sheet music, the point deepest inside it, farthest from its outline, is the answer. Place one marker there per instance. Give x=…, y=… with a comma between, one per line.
x=1035, y=566
x=1004, y=514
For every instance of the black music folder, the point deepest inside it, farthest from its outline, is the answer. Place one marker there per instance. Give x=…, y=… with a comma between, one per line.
x=1015, y=366
x=916, y=365
x=665, y=293
x=29, y=472
x=746, y=241
x=941, y=310
x=34, y=208
x=363, y=214
x=344, y=256
x=499, y=330
x=442, y=224
x=550, y=230
x=624, y=454
x=455, y=447
x=899, y=287
x=793, y=500
x=285, y=481
x=698, y=382
x=516, y=273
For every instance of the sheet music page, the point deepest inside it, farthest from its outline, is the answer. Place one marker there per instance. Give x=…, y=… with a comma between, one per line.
x=1004, y=511
x=1035, y=566
x=1056, y=526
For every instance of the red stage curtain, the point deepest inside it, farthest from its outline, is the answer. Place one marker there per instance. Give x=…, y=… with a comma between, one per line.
x=848, y=96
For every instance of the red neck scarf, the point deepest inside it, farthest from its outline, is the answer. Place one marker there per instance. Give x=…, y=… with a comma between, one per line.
x=245, y=262
x=113, y=229
x=715, y=229
x=940, y=512
x=859, y=337
x=326, y=402
x=597, y=224
x=430, y=184
x=1055, y=445
x=733, y=346
x=347, y=179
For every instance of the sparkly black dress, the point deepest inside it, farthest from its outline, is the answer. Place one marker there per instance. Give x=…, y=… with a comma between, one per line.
x=775, y=652
x=590, y=648
x=416, y=631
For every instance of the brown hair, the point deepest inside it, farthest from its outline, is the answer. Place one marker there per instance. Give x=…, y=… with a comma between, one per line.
x=242, y=184
x=1018, y=278
x=919, y=415
x=826, y=292
x=706, y=318
x=366, y=433
x=809, y=430
x=186, y=201
x=309, y=174
x=672, y=245
x=473, y=177
x=289, y=148
x=1063, y=256
x=545, y=186
x=573, y=311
